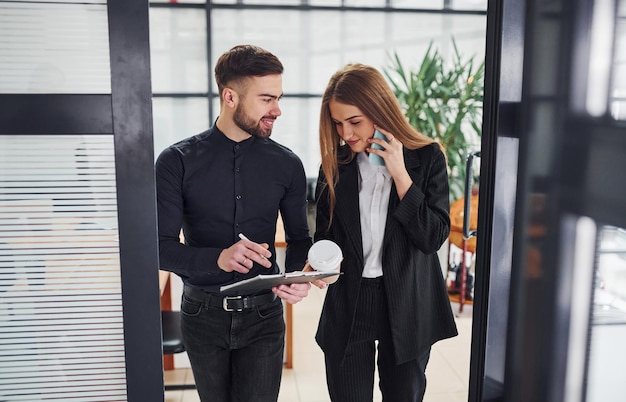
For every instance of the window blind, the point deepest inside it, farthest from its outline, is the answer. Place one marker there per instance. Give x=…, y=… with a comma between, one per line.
x=54, y=47
x=61, y=333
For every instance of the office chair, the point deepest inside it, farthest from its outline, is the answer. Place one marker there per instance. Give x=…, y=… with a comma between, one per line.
x=173, y=342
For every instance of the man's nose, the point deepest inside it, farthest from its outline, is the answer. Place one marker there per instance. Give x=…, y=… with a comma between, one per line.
x=276, y=109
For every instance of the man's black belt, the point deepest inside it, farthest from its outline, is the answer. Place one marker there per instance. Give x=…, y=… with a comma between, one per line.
x=230, y=303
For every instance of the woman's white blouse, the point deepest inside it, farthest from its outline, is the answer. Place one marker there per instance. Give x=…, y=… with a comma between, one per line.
x=374, y=189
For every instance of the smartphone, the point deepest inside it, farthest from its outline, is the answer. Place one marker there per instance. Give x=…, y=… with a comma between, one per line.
x=373, y=158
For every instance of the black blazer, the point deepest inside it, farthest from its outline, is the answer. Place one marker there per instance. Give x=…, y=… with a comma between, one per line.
x=419, y=308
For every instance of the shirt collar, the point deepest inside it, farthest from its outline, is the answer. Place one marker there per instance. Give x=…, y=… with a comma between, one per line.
x=225, y=140
x=367, y=170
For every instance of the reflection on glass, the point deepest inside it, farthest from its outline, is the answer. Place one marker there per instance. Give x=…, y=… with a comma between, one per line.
x=618, y=83
x=602, y=33
x=610, y=296
x=608, y=330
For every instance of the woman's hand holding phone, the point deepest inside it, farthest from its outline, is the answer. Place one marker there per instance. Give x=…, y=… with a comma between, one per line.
x=373, y=158
x=393, y=160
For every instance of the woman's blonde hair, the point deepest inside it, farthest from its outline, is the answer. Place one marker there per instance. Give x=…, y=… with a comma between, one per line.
x=364, y=87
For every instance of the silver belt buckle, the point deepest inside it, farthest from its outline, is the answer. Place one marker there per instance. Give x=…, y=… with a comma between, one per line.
x=225, y=303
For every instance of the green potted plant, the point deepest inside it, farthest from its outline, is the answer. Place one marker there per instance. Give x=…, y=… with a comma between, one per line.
x=444, y=101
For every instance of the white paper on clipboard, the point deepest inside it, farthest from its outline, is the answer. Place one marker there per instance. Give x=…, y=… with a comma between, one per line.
x=261, y=282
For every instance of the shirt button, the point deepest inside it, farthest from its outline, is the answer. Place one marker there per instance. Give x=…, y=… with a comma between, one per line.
x=237, y=170
x=238, y=197
x=237, y=146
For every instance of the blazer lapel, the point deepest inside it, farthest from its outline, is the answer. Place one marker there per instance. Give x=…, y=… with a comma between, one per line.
x=348, y=206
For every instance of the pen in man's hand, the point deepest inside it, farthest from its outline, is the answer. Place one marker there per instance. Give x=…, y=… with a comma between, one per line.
x=243, y=237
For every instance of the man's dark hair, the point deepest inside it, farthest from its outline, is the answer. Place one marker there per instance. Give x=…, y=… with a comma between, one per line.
x=245, y=61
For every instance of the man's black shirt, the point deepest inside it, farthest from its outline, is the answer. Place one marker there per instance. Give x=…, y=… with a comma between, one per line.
x=214, y=188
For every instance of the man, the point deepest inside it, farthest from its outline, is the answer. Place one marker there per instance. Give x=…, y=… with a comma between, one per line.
x=231, y=180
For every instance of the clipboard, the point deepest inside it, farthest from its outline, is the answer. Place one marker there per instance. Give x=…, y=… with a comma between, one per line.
x=262, y=282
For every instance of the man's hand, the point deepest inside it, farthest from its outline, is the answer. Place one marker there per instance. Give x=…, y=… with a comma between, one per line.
x=240, y=256
x=293, y=293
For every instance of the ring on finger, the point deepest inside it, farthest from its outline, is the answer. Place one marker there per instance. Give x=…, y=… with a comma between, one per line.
x=245, y=259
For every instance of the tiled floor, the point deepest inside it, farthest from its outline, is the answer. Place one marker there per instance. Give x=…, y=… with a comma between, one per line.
x=447, y=372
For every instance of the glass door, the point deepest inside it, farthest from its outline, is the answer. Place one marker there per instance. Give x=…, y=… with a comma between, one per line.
x=567, y=314
x=607, y=350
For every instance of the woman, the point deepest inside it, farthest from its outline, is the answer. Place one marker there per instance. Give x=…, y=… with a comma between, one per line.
x=389, y=221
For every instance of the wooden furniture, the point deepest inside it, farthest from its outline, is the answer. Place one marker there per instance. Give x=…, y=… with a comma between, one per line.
x=458, y=239
x=166, y=305
x=281, y=243
x=164, y=288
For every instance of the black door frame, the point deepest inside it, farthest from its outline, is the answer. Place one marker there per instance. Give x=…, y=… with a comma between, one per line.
x=498, y=171
x=131, y=99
